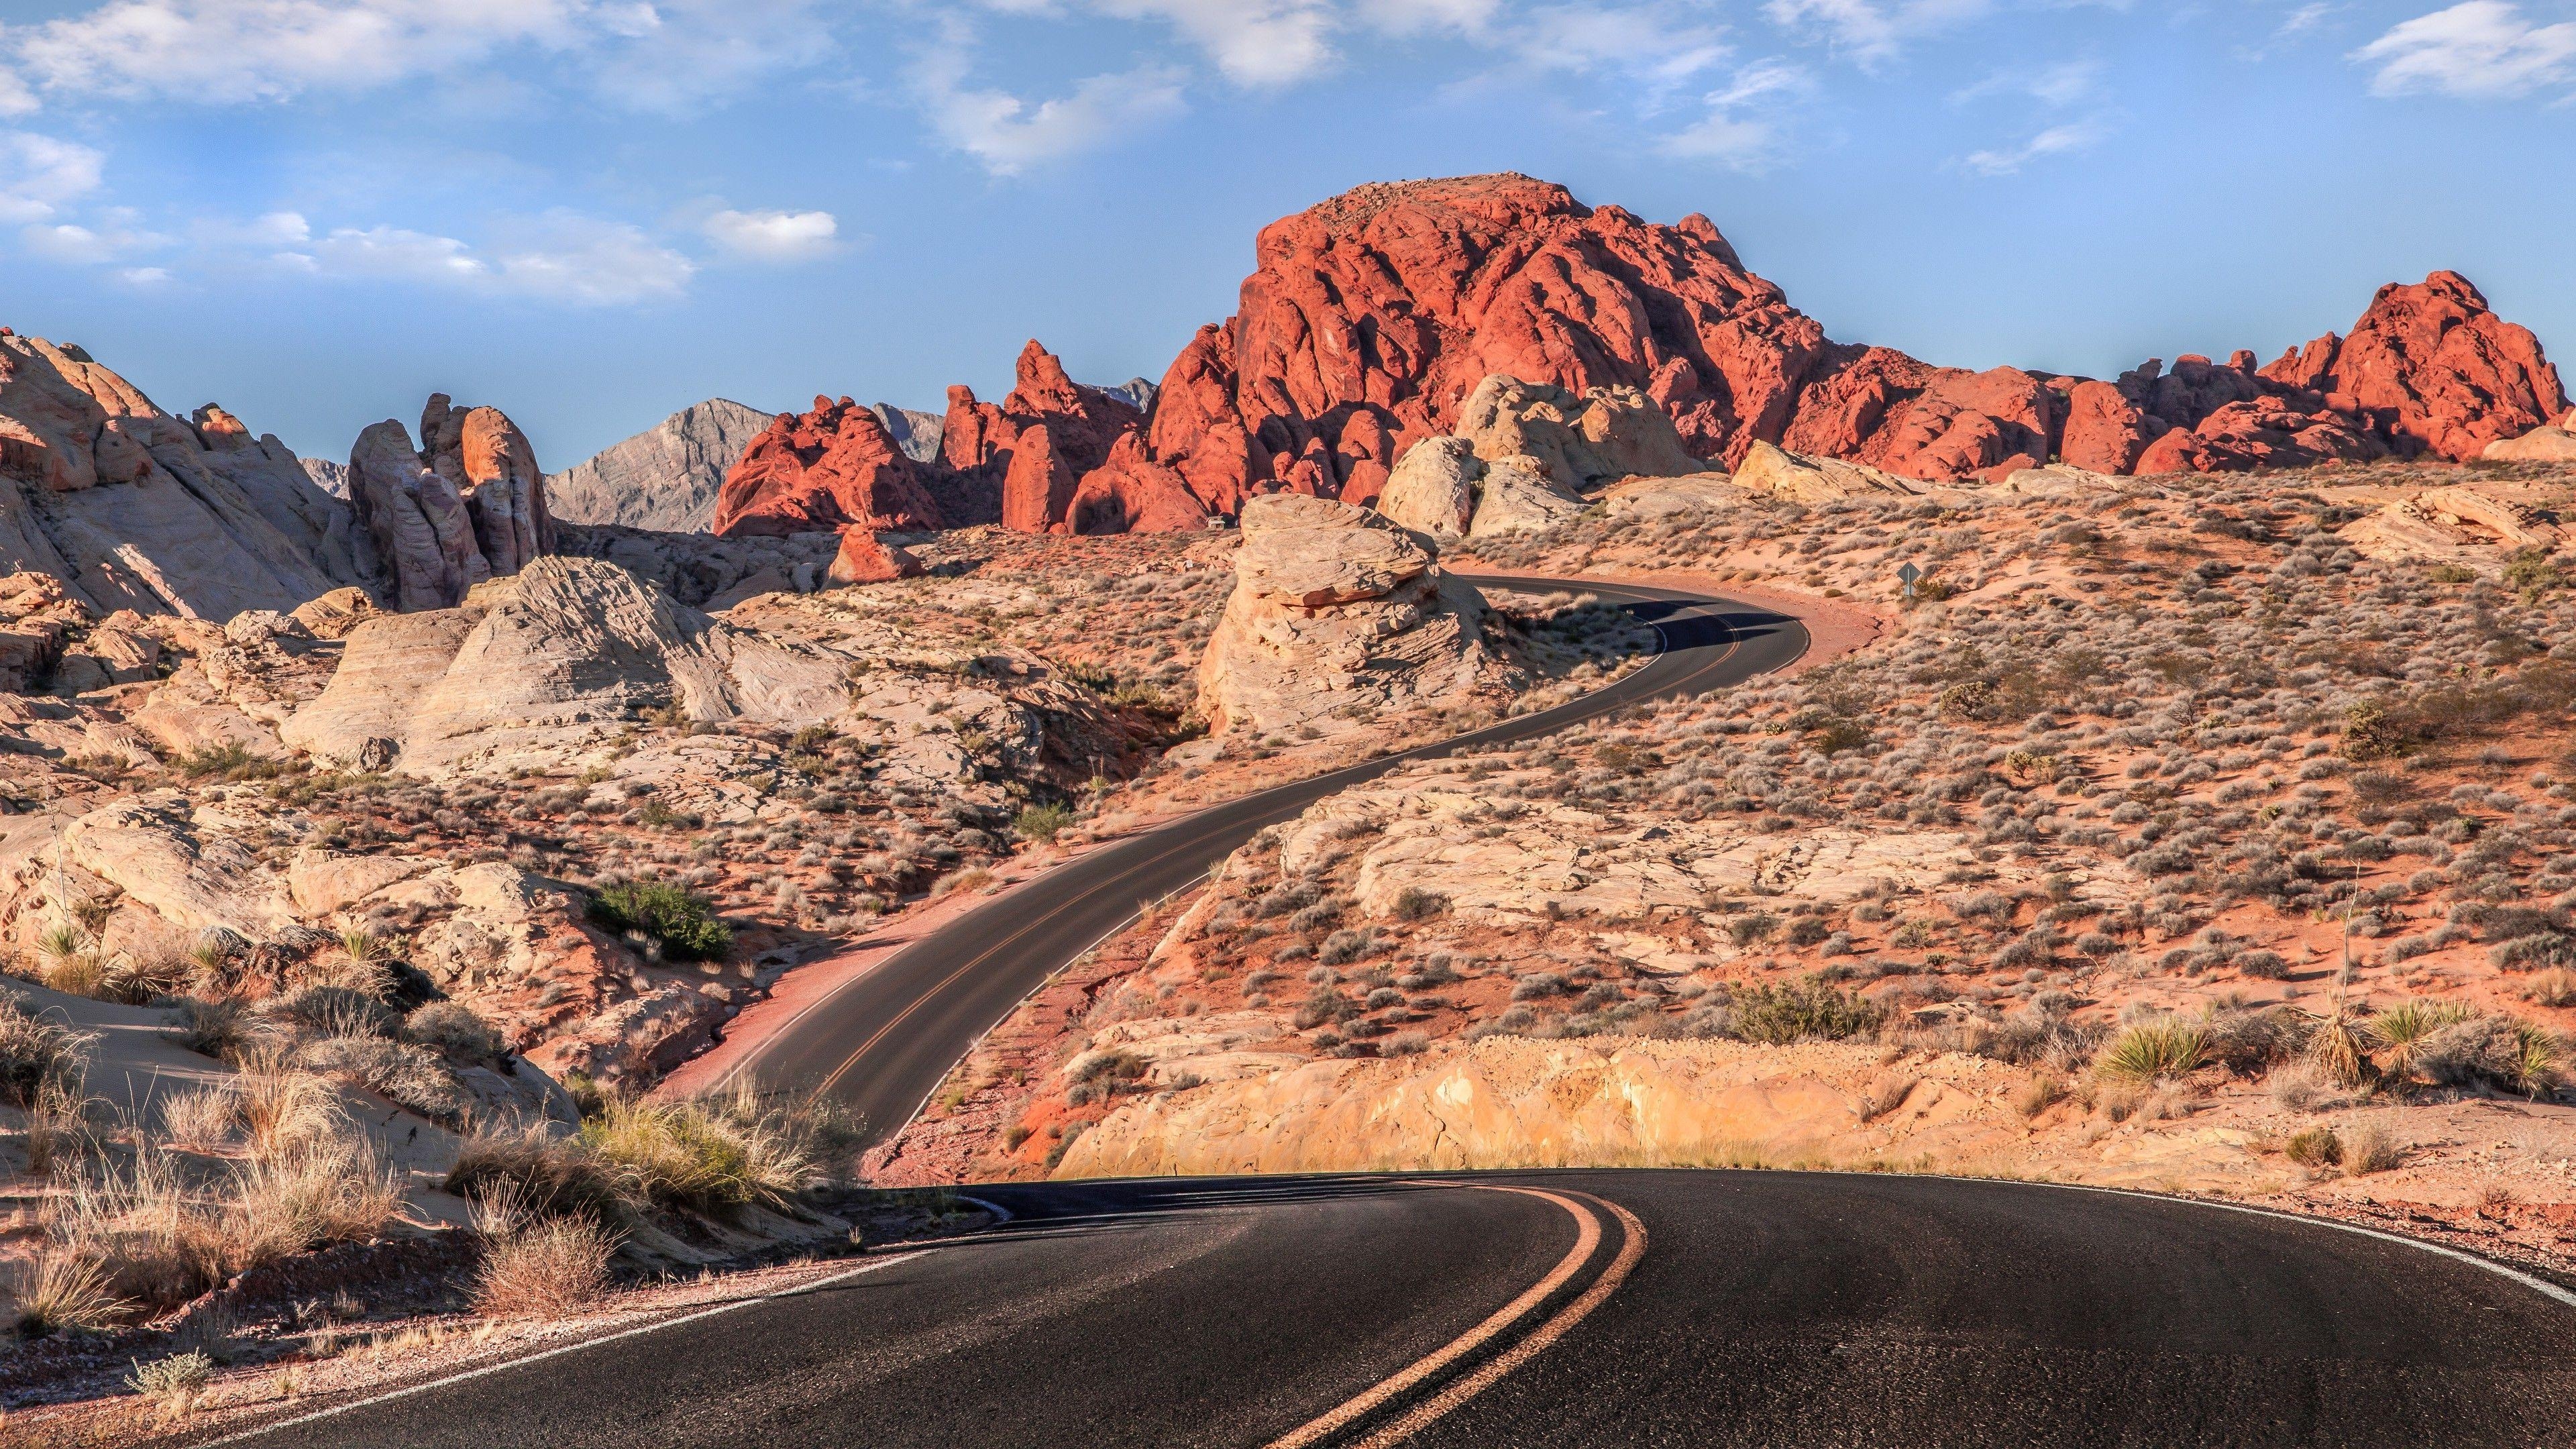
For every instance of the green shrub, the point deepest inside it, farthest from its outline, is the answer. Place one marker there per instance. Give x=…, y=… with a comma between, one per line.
x=682, y=922
x=2315, y=1147
x=1810, y=1010
x=1042, y=823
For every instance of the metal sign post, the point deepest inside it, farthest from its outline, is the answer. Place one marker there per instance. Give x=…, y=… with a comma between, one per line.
x=1907, y=575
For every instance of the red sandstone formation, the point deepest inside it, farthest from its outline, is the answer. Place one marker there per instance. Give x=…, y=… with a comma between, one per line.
x=832, y=468
x=1371, y=316
x=865, y=558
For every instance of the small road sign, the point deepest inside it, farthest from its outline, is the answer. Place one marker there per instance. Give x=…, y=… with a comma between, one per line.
x=1907, y=575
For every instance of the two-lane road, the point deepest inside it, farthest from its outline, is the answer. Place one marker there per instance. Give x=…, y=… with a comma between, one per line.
x=884, y=1040
x=1767, y=1310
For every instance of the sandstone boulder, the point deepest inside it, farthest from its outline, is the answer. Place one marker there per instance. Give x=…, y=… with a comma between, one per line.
x=549, y=666
x=2461, y=526
x=1664, y=497
x=866, y=559
x=832, y=467
x=1580, y=440
x=1517, y=496
x=1337, y=613
x=132, y=508
x=1798, y=478
x=2540, y=445
x=1433, y=487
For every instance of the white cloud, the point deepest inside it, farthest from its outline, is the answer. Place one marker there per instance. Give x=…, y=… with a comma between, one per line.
x=1639, y=39
x=561, y=257
x=144, y=276
x=261, y=233
x=2062, y=84
x=16, y=99
x=774, y=236
x=1254, y=42
x=395, y=253
x=663, y=55
x=1872, y=31
x=591, y=263
x=1737, y=132
x=2055, y=141
x=1009, y=135
x=117, y=232
x=39, y=175
x=2480, y=50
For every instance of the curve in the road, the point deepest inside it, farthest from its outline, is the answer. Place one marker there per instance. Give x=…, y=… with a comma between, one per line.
x=883, y=1041
x=1771, y=1310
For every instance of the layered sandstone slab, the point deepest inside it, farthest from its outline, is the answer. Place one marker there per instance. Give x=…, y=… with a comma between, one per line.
x=1337, y=614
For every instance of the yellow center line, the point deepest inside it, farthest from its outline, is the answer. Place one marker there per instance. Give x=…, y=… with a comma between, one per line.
x=1587, y=1241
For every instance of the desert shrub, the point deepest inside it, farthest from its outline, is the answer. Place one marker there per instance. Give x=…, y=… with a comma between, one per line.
x=221, y=1029
x=543, y=1173
x=36, y=1054
x=1415, y=904
x=2501, y=1051
x=535, y=1265
x=681, y=922
x=2155, y=1050
x=722, y=1152
x=455, y=1031
x=321, y=1011
x=2369, y=1148
x=1346, y=946
x=2314, y=1147
x=2247, y=1042
x=411, y=1075
x=1538, y=986
x=173, y=1384
x=1327, y=1004
x=203, y=1118
x=1808, y=1010
x=1042, y=823
x=2402, y=1030
x=63, y=1290
x=2038, y=1095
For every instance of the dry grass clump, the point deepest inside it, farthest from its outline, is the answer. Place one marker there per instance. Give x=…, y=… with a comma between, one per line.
x=722, y=1152
x=66, y=1291
x=542, y=1172
x=37, y=1055
x=536, y=1265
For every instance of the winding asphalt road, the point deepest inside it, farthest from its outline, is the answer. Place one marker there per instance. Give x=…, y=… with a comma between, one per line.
x=885, y=1040
x=1768, y=1310
x=1605, y=1308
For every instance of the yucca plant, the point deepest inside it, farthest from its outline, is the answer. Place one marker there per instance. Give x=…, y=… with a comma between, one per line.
x=2338, y=1050
x=58, y=941
x=2402, y=1030
x=2154, y=1050
x=2537, y=1052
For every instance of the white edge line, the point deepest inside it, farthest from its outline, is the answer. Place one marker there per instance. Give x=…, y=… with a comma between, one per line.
x=2531, y=1281
x=510, y=1363
x=1000, y=1213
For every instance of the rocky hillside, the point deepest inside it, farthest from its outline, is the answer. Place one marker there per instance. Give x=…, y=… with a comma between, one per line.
x=664, y=478
x=1373, y=317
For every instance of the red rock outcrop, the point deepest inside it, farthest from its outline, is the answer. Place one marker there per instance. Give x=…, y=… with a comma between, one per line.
x=865, y=558
x=829, y=469
x=2432, y=370
x=1370, y=317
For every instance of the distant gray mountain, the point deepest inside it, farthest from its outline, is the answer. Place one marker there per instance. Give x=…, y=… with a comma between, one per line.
x=1135, y=390
x=330, y=477
x=665, y=478
x=917, y=433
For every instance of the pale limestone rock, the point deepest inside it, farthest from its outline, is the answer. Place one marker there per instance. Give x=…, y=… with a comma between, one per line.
x=2549, y=443
x=2459, y=525
x=550, y=665
x=1658, y=498
x=187, y=869
x=2065, y=480
x=323, y=882
x=1516, y=496
x=1798, y=478
x=133, y=508
x=1433, y=487
x=1579, y=441
x=1335, y=613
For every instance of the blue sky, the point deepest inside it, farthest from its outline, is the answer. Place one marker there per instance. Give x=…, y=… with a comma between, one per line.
x=592, y=212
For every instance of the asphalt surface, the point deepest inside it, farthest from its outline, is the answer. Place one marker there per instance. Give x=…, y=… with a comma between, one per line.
x=884, y=1041
x=1766, y=1309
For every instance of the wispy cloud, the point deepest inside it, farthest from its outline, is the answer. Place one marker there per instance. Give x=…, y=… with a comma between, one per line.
x=2480, y=50
x=774, y=236
x=40, y=175
x=561, y=257
x=1872, y=32
x=1010, y=134
x=2057, y=140
x=1741, y=129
